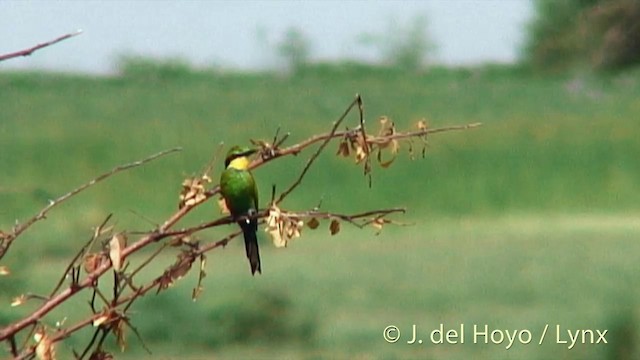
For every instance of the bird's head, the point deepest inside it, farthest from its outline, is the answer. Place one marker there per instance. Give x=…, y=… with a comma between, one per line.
x=238, y=157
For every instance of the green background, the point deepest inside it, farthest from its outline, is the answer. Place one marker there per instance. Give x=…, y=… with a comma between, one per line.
x=531, y=219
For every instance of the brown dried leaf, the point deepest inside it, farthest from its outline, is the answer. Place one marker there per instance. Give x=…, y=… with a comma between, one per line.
x=265, y=147
x=387, y=127
x=100, y=355
x=201, y=275
x=274, y=228
x=395, y=146
x=360, y=154
x=44, y=348
x=4, y=271
x=343, y=148
x=177, y=271
x=117, y=243
x=313, y=223
x=384, y=164
x=193, y=191
x=92, y=262
x=182, y=266
x=294, y=228
x=118, y=331
x=334, y=227
x=282, y=228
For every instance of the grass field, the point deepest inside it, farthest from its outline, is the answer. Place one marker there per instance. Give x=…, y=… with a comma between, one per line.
x=531, y=219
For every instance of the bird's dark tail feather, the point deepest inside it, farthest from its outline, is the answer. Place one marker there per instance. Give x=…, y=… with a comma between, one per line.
x=251, y=245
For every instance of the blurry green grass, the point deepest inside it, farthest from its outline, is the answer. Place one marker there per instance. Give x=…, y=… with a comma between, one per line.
x=530, y=219
x=546, y=144
x=331, y=297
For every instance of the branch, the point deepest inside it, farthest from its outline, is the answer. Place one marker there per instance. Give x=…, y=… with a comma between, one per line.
x=356, y=101
x=142, y=290
x=27, y=52
x=7, y=239
x=193, y=250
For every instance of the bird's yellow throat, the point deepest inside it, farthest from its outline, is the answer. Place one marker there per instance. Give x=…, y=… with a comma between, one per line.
x=240, y=163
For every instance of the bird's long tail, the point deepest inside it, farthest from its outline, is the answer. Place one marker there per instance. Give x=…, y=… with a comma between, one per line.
x=249, y=230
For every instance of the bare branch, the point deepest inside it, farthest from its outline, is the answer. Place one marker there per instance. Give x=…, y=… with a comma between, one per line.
x=356, y=101
x=29, y=51
x=5, y=242
x=125, y=293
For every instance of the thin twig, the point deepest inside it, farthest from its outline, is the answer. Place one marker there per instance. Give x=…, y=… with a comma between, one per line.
x=367, y=149
x=29, y=51
x=80, y=254
x=5, y=243
x=356, y=101
x=163, y=231
x=142, y=290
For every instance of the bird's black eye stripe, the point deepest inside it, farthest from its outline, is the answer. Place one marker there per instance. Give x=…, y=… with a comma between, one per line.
x=229, y=159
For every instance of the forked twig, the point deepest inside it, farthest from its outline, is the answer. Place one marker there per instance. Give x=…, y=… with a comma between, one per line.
x=356, y=101
x=125, y=293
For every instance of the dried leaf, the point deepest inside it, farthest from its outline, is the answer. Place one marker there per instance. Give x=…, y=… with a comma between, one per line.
x=19, y=300
x=282, y=228
x=273, y=227
x=343, y=148
x=387, y=128
x=334, y=227
x=384, y=164
x=378, y=223
x=178, y=270
x=193, y=191
x=100, y=355
x=265, y=147
x=201, y=275
x=411, y=154
x=222, y=204
x=422, y=125
x=118, y=331
x=313, y=223
x=92, y=262
x=395, y=146
x=44, y=348
x=4, y=271
x=360, y=154
x=117, y=243
x=101, y=319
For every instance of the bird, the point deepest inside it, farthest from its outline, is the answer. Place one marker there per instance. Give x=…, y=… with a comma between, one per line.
x=240, y=193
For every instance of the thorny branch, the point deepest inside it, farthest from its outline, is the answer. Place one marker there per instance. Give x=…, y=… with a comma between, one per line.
x=112, y=318
x=31, y=50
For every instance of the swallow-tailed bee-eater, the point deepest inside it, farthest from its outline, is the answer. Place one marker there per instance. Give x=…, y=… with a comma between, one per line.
x=238, y=188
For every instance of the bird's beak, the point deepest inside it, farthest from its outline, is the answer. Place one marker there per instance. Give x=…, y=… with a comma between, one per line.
x=249, y=152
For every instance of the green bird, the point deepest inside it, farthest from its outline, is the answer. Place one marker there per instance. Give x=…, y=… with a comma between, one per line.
x=238, y=188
